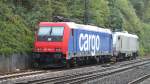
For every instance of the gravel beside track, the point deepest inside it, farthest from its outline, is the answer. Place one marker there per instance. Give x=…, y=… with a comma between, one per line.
x=4, y=78
x=83, y=78
x=142, y=80
x=61, y=76
x=125, y=77
x=147, y=81
x=20, y=74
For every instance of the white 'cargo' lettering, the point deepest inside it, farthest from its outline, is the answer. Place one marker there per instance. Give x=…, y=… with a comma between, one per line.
x=88, y=42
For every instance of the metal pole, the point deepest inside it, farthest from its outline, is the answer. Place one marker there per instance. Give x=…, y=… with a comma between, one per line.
x=86, y=11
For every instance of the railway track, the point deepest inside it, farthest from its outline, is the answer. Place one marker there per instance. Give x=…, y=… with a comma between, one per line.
x=69, y=73
x=139, y=80
x=80, y=77
x=21, y=74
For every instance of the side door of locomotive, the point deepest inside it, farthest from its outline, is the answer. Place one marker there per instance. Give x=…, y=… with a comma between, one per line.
x=73, y=43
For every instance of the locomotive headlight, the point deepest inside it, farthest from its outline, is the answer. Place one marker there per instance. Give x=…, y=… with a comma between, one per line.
x=48, y=49
x=38, y=49
x=45, y=49
x=57, y=49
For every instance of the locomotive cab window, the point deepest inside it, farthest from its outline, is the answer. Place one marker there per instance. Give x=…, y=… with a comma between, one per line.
x=57, y=31
x=50, y=33
x=44, y=31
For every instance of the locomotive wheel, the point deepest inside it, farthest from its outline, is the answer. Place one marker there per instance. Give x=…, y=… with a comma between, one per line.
x=97, y=60
x=35, y=65
x=113, y=59
x=75, y=62
x=75, y=65
x=68, y=65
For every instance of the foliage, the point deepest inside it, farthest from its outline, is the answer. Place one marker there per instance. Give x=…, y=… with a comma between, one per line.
x=99, y=12
x=14, y=34
x=145, y=38
x=115, y=20
x=19, y=18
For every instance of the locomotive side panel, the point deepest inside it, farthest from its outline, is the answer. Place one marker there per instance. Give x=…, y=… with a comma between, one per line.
x=89, y=43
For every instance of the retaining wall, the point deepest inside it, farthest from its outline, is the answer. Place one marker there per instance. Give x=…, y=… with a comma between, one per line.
x=14, y=62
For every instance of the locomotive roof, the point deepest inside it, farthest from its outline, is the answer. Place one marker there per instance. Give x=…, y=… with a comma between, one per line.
x=74, y=25
x=126, y=34
x=87, y=27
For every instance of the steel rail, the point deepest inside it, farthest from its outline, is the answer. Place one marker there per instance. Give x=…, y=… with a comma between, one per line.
x=61, y=79
x=9, y=76
x=139, y=80
x=83, y=78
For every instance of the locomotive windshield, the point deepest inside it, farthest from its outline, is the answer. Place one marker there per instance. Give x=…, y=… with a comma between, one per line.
x=50, y=33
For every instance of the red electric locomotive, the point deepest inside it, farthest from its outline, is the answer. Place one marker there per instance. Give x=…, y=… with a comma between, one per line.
x=51, y=44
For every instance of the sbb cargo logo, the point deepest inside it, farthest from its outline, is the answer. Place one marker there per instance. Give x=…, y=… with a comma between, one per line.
x=89, y=42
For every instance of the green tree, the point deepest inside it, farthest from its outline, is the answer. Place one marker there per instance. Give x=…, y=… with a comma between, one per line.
x=115, y=19
x=99, y=12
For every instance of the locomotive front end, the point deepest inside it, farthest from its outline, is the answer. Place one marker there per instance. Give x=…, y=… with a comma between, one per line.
x=50, y=45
